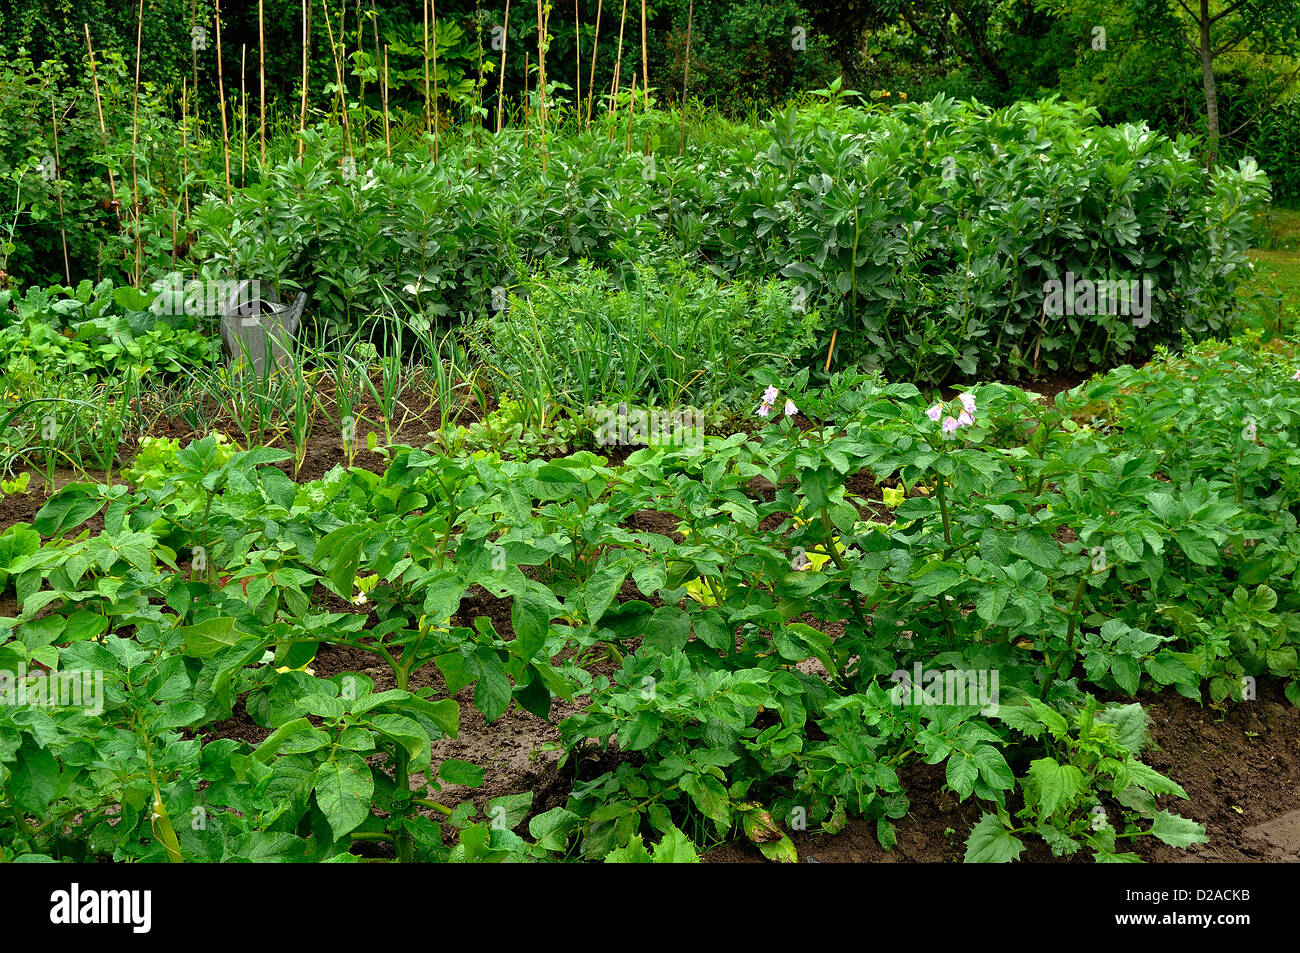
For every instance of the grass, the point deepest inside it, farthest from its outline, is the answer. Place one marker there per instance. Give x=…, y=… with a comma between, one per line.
x=1274, y=291
x=1281, y=230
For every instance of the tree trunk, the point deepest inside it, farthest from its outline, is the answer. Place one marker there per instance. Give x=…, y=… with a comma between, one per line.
x=976, y=34
x=1207, y=76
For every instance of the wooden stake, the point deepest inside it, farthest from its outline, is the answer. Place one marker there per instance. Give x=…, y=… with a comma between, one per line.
x=480, y=80
x=306, y=45
x=194, y=55
x=361, y=34
x=342, y=54
x=830, y=351
x=338, y=73
x=542, y=43
x=185, y=145
x=135, y=141
x=433, y=7
x=361, y=78
x=501, y=80
x=243, y=115
x=261, y=77
x=618, y=67
x=686, y=74
x=428, y=121
x=341, y=58
x=221, y=95
x=58, y=188
x=388, y=142
x=631, y=109
x=577, y=60
x=99, y=107
x=383, y=90
x=591, y=78
x=645, y=67
x=609, y=113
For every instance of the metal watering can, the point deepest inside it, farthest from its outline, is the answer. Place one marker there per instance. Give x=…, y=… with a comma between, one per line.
x=256, y=325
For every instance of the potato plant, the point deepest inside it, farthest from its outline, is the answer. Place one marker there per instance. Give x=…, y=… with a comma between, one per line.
x=1054, y=544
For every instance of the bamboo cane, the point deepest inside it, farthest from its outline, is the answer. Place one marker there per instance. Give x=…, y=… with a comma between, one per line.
x=58, y=188
x=361, y=77
x=618, y=67
x=243, y=115
x=428, y=127
x=388, y=142
x=645, y=63
x=185, y=144
x=480, y=80
x=631, y=109
x=261, y=77
x=595, y=45
x=302, y=115
x=830, y=351
x=383, y=86
x=194, y=54
x=541, y=77
x=135, y=141
x=341, y=60
x=501, y=80
x=433, y=15
x=361, y=33
x=686, y=74
x=609, y=112
x=221, y=95
x=577, y=60
x=338, y=74
x=99, y=107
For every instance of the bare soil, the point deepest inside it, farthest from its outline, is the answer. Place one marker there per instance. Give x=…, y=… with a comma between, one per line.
x=1239, y=767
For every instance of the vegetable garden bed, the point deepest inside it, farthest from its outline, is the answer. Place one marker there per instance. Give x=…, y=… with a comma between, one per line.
x=738, y=618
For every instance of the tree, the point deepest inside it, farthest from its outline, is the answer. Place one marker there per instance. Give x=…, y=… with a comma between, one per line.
x=1214, y=28
x=965, y=29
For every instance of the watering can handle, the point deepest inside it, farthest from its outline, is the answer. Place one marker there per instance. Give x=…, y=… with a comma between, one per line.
x=299, y=304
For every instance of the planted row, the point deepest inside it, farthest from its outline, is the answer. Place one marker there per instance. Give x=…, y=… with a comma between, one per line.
x=774, y=662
